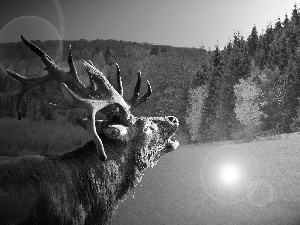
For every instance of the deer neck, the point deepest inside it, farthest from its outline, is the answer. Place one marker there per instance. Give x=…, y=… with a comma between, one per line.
x=117, y=175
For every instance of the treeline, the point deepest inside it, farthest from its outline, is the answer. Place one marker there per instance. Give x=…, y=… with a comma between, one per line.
x=250, y=88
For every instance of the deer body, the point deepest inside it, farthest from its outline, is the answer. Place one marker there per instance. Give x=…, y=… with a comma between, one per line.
x=76, y=188
x=84, y=186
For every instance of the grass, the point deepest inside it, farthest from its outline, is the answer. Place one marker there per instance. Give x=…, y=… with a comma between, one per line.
x=45, y=137
x=178, y=189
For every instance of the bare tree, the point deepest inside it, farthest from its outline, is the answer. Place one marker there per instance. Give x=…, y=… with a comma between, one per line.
x=83, y=186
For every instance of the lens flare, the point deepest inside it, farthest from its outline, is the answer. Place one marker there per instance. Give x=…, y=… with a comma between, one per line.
x=32, y=28
x=260, y=193
x=229, y=174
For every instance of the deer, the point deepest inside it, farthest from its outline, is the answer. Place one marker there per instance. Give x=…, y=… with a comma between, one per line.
x=83, y=186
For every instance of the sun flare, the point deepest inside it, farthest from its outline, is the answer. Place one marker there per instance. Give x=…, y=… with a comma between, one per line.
x=229, y=174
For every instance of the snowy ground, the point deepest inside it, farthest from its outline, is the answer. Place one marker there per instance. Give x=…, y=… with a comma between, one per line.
x=252, y=183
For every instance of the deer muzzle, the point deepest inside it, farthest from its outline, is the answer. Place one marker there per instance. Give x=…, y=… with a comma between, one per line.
x=172, y=144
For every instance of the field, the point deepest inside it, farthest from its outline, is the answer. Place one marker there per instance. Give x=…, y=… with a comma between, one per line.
x=184, y=187
x=47, y=137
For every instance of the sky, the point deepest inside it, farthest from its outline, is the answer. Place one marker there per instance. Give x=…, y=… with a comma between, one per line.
x=181, y=23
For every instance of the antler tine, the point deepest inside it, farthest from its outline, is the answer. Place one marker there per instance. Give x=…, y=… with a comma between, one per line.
x=33, y=47
x=93, y=106
x=26, y=84
x=49, y=63
x=119, y=80
x=54, y=73
x=135, y=100
x=92, y=87
x=71, y=64
x=71, y=78
x=91, y=63
x=104, y=88
x=137, y=88
x=146, y=96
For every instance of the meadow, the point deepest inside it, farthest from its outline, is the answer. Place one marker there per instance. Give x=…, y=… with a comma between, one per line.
x=188, y=186
x=43, y=137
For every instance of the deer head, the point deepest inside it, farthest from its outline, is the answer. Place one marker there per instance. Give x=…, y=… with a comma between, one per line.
x=99, y=174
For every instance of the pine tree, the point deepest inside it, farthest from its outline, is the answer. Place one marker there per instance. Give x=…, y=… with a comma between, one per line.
x=252, y=42
x=286, y=21
x=201, y=75
x=154, y=50
x=208, y=124
x=107, y=55
x=278, y=25
x=262, y=55
x=291, y=90
x=295, y=16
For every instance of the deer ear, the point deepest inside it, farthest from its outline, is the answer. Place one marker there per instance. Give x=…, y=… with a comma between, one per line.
x=115, y=132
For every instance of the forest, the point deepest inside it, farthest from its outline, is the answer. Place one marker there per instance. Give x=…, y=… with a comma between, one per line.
x=248, y=89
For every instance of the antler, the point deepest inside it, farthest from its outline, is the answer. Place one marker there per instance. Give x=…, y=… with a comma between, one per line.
x=135, y=100
x=100, y=94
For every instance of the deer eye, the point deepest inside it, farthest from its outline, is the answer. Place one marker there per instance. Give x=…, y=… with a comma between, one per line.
x=150, y=129
x=147, y=130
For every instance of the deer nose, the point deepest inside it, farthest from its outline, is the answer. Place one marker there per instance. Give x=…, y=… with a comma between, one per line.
x=172, y=120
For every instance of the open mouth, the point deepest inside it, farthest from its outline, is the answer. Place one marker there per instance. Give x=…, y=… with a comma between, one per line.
x=172, y=144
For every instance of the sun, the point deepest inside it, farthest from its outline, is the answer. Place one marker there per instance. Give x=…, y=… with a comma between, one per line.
x=229, y=174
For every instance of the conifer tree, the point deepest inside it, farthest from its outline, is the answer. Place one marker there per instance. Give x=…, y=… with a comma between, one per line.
x=154, y=50
x=278, y=25
x=252, y=42
x=295, y=16
x=286, y=21
x=201, y=75
x=107, y=55
x=208, y=124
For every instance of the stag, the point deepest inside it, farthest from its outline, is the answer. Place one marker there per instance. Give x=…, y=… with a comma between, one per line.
x=83, y=186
